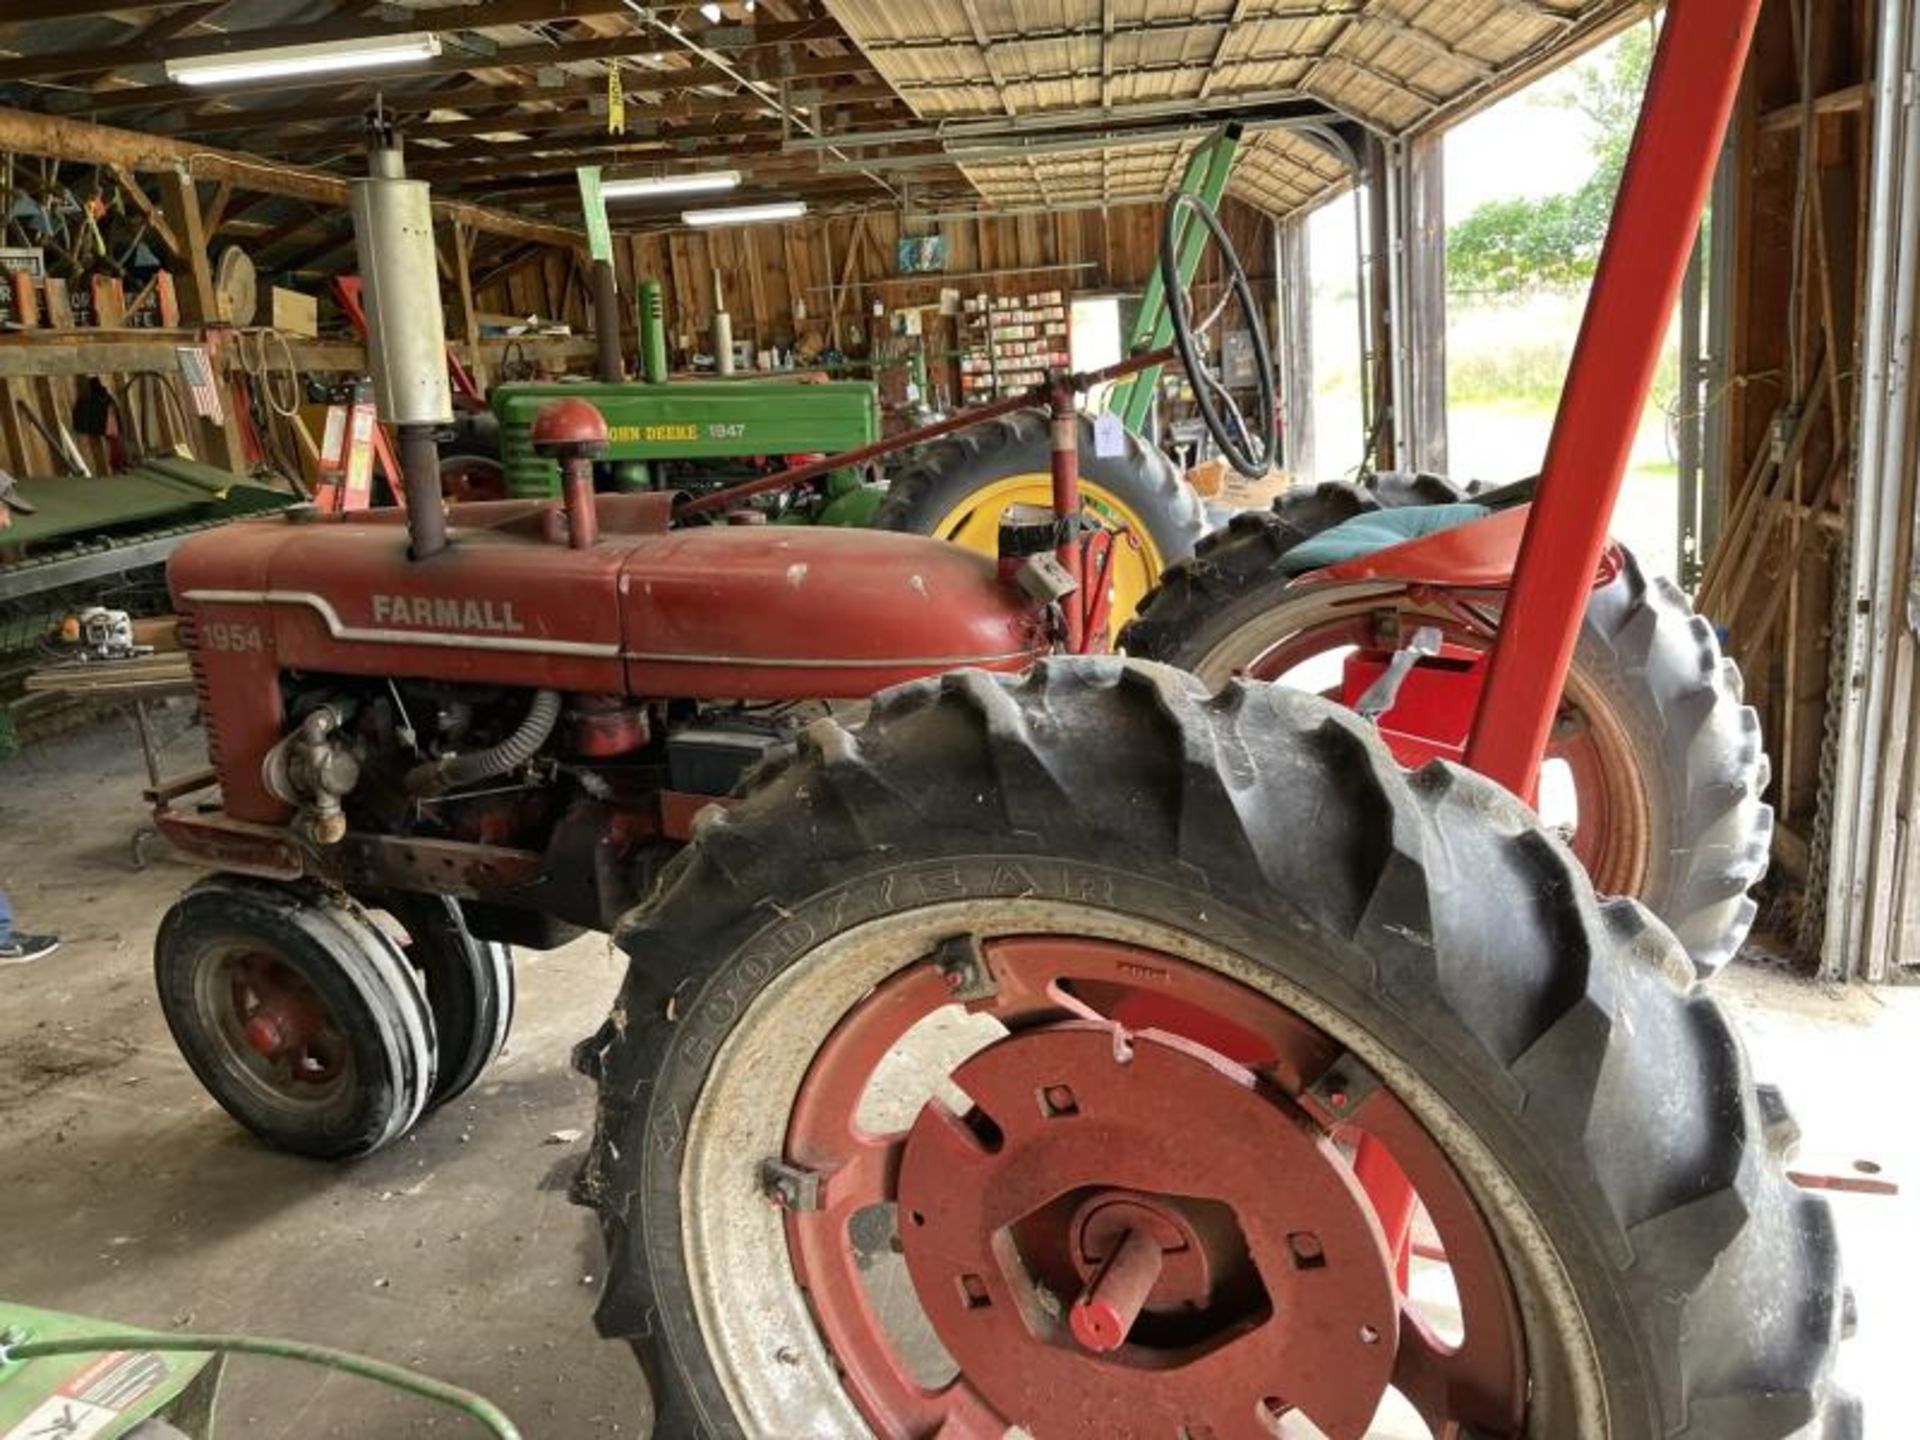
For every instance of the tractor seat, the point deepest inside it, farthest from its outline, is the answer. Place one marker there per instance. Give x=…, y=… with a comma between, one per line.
x=1377, y=530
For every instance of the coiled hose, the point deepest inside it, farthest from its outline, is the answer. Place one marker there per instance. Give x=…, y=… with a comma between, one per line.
x=480, y=1410
x=436, y=777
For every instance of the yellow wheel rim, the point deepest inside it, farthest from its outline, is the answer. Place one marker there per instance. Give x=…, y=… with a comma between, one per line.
x=1137, y=562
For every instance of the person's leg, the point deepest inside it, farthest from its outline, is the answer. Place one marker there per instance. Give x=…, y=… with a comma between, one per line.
x=16, y=948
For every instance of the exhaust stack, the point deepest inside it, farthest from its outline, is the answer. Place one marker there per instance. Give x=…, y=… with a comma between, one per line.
x=406, y=330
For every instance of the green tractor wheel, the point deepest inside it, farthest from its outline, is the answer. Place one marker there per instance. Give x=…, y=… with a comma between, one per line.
x=958, y=488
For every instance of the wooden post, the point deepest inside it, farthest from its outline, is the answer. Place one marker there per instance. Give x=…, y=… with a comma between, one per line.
x=466, y=318
x=200, y=308
x=180, y=202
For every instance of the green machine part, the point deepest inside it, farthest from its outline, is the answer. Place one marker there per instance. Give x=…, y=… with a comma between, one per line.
x=851, y=503
x=653, y=333
x=1206, y=175
x=713, y=420
x=101, y=1396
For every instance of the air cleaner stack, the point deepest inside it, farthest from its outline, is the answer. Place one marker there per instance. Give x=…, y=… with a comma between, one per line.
x=393, y=231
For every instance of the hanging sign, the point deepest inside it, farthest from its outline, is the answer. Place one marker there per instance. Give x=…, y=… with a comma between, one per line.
x=593, y=213
x=616, y=101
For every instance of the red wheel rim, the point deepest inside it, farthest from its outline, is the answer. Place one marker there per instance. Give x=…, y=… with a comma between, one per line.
x=1612, y=832
x=1090, y=1254
x=281, y=1027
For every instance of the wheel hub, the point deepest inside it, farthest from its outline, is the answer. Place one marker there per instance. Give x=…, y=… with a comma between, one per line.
x=1096, y=1262
x=1152, y=1213
x=283, y=1022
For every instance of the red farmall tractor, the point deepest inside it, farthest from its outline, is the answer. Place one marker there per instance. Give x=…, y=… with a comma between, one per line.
x=1070, y=1046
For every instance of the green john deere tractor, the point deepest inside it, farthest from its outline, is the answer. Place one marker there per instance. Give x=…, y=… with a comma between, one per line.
x=700, y=435
x=704, y=434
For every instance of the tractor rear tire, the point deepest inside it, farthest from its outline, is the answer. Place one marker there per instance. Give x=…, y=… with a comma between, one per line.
x=1695, y=834
x=470, y=987
x=956, y=489
x=369, y=1075
x=1668, y=1278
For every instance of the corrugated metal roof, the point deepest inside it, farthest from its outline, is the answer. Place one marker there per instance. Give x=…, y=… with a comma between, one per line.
x=1067, y=101
x=1392, y=66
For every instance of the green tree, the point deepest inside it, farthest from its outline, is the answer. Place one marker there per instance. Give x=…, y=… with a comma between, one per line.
x=1510, y=246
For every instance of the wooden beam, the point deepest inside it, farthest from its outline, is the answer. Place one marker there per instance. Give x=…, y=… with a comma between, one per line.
x=335, y=28
x=458, y=246
x=158, y=223
x=23, y=12
x=537, y=57
x=510, y=264
x=354, y=108
x=75, y=354
x=77, y=141
x=216, y=213
x=574, y=120
x=1850, y=99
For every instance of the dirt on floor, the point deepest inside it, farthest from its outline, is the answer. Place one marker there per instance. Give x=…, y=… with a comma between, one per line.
x=126, y=1193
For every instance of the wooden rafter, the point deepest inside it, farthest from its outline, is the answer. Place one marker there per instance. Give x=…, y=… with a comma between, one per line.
x=140, y=200
x=537, y=57
x=334, y=28
x=24, y=12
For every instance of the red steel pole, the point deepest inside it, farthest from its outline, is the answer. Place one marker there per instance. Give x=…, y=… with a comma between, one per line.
x=1064, y=428
x=1683, y=124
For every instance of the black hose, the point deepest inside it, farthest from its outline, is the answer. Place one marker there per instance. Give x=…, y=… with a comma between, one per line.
x=436, y=777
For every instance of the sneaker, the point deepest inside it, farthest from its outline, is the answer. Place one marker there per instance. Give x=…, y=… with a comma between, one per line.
x=23, y=948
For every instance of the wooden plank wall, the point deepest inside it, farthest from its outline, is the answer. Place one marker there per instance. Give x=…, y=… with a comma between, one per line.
x=1799, y=262
x=781, y=282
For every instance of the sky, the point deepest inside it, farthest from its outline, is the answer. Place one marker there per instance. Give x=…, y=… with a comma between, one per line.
x=1526, y=146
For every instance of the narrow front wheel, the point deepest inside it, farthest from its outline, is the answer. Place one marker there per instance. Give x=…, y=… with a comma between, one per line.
x=298, y=1014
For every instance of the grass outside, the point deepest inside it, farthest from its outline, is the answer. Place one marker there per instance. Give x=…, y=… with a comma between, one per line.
x=1506, y=362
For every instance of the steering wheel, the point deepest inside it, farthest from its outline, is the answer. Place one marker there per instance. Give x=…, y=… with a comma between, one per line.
x=1249, y=450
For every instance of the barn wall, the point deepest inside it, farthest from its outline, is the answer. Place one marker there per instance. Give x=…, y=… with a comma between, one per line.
x=1790, y=410
x=788, y=284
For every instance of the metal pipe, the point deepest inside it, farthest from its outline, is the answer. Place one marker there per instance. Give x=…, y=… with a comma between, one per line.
x=1689, y=104
x=961, y=420
x=406, y=331
x=1886, y=349
x=606, y=322
x=419, y=455
x=1393, y=157
x=1065, y=432
x=1265, y=113
x=1692, y=416
x=674, y=35
x=576, y=491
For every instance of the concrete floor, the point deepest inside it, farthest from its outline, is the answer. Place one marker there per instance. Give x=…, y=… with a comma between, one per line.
x=126, y=1193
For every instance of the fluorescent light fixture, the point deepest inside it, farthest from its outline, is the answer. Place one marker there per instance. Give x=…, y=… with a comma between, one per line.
x=694, y=184
x=320, y=58
x=712, y=12
x=747, y=214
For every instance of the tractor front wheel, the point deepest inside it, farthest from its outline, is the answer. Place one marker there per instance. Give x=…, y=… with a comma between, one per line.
x=470, y=987
x=298, y=1014
x=1068, y=1053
